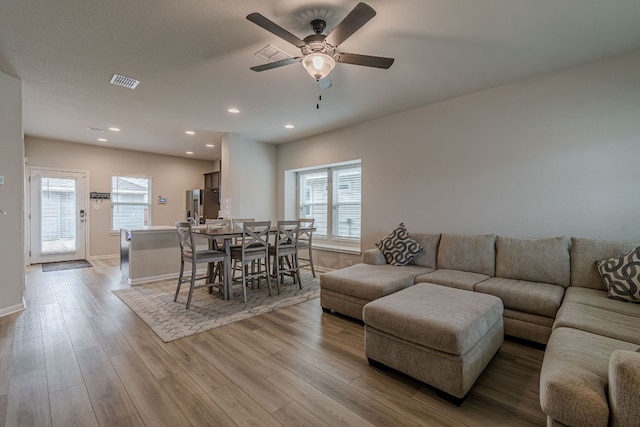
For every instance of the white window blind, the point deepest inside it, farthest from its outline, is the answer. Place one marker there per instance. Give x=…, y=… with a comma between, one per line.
x=346, y=202
x=332, y=196
x=130, y=202
x=314, y=198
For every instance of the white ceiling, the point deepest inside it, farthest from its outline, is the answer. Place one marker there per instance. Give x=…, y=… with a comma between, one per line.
x=193, y=57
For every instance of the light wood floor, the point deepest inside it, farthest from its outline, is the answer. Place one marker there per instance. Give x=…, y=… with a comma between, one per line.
x=79, y=356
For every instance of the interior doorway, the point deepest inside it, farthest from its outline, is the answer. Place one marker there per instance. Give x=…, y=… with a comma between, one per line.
x=57, y=215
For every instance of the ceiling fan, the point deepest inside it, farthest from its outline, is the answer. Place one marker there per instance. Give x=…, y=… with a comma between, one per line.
x=319, y=55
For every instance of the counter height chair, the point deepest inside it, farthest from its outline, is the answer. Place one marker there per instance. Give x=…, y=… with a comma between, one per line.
x=218, y=223
x=285, y=250
x=190, y=254
x=253, y=251
x=236, y=223
x=304, y=243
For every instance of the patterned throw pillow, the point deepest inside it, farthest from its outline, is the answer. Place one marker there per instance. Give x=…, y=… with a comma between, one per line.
x=398, y=247
x=621, y=276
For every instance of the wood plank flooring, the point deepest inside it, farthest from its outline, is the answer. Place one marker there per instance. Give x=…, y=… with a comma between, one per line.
x=79, y=357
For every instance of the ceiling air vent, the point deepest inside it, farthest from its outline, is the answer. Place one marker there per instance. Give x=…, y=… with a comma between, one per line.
x=95, y=130
x=272, y=54
x=124, y=81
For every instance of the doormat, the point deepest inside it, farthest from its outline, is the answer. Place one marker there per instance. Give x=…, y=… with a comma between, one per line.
x=65, y=265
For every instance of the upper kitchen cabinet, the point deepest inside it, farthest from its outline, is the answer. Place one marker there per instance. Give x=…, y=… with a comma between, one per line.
x=212, y=179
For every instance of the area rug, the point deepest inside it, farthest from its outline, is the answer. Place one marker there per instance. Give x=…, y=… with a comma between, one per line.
x=65, y=265
x=153, y=303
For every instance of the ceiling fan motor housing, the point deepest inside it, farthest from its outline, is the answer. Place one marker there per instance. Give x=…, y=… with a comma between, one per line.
x=318, y=25
x=315, y=43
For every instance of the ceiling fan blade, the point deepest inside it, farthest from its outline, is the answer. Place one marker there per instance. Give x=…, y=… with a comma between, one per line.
x=276, y=64
x=274, y=28
x=325, y=83
x=360, y=15
x=366, y=60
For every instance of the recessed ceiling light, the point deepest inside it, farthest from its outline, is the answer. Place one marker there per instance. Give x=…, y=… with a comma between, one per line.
x=289, y=126
x=189, y=132
x=189, y=152
x=102, y=140
x=210, y=145
x=114, y=129
x=233, y=110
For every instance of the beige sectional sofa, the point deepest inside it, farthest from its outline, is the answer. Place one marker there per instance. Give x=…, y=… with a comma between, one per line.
x=552, y=294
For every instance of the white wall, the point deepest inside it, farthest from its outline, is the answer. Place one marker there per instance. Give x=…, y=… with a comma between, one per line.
x=249, y=177
x=171, y=177
x=11, y=195
x=556, y=155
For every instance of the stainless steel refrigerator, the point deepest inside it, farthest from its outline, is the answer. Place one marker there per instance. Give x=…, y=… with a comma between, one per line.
x=202, y=204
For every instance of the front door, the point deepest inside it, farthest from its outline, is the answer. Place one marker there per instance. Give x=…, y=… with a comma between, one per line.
x=58, y=215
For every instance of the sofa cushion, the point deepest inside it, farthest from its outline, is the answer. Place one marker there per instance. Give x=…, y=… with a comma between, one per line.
x=534, y=260
x=399, y=248
x=370, y=281
x=373, y=256
x=584, y=255
x=596, y=298
x=621, y=276
x=574, y=377
x=543, y=299
x=429, y=243
x=599, y=321
x=437, y=317
x=476, y=254
x=452, y=278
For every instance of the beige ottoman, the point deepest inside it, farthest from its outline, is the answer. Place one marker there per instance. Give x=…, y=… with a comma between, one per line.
x=442, y=336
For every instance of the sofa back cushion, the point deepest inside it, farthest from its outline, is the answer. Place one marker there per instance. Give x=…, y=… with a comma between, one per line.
x=534, y=260
x=429, y=243
x=475, y=253
x=585, y=253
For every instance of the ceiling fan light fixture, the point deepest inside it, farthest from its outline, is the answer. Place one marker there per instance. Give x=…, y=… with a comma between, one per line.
x=318, y=65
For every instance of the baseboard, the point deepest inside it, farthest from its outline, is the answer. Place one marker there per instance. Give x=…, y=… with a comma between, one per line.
x=142, y=280
x=103, y=257
x=13, y=309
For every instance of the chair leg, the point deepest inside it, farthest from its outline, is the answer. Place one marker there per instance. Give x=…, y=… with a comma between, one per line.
x=193, y=283
x=266, y=273
x=175, y=298
x=296, y=271
x=245, y=269
x=313, y=271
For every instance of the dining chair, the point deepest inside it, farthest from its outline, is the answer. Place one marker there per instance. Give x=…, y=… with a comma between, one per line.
x=212, y=223
x=236, y=223
x=219, y=222
x=285, y=250
x=253, y=251
x=305, y=240
x=189, y=253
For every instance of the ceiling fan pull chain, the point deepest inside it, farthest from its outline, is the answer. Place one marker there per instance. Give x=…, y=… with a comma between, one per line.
x=319, y=96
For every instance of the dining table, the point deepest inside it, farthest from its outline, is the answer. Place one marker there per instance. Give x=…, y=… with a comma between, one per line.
x=226, y=234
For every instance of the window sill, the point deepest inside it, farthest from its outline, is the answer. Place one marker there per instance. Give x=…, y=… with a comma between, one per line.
x=329, y=247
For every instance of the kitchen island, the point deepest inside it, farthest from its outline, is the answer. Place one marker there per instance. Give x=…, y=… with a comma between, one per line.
x=148, y=254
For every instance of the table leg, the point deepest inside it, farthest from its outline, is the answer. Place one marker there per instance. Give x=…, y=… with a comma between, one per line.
x=228, y=280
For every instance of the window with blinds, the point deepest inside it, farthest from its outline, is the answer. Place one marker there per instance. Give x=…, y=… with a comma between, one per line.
x=130, y=202
x=331, y=195
x=314, y=192
x=346, y=202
